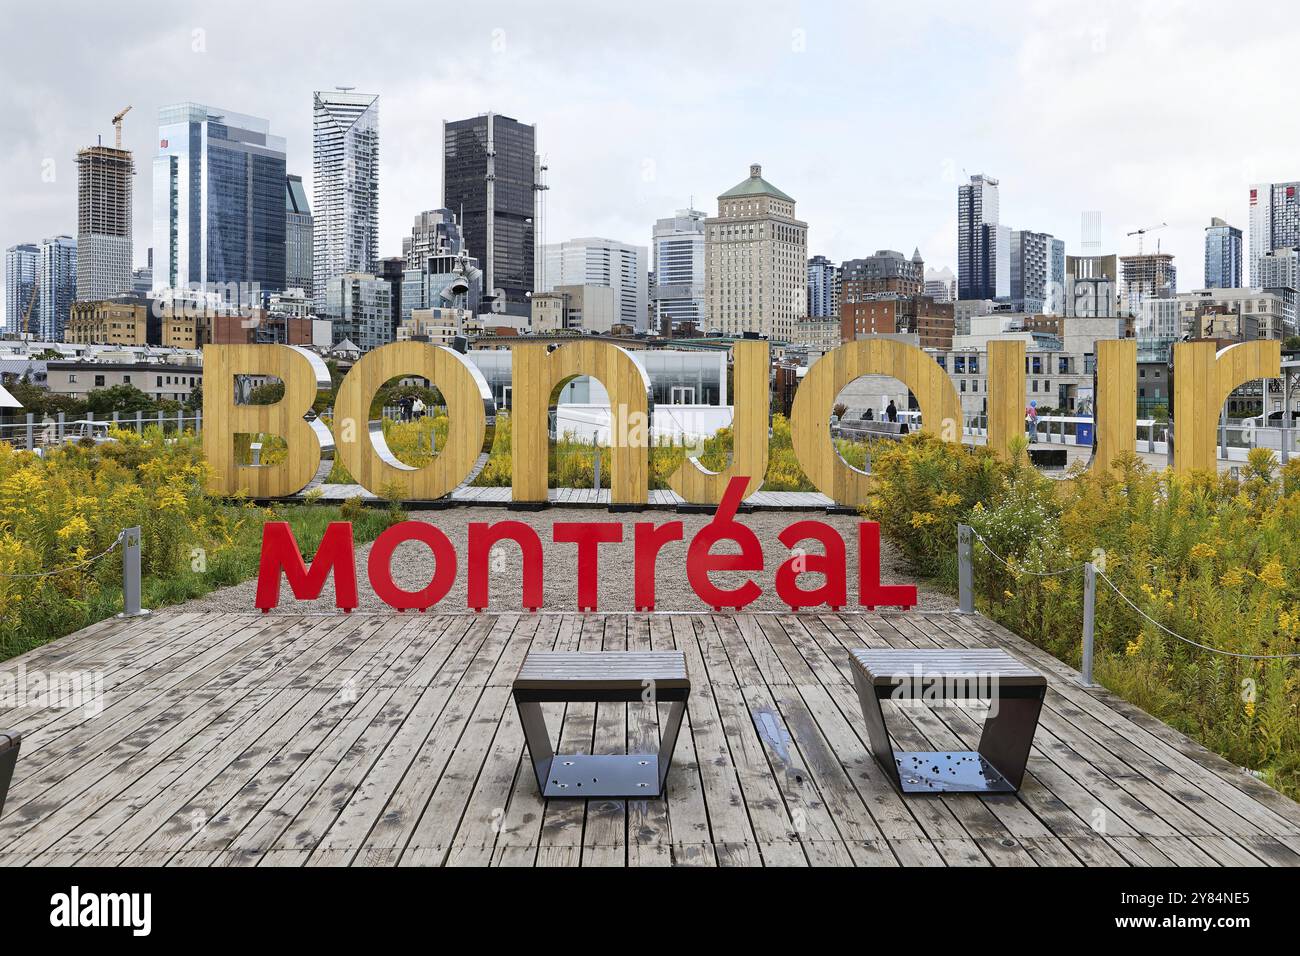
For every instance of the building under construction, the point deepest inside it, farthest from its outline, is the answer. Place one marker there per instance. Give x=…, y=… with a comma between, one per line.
x=1146, y=276
x=104, y=176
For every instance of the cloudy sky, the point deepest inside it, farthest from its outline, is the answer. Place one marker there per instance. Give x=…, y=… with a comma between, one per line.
x=869, y=114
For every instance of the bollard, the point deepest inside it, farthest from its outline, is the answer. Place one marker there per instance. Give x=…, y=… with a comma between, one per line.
x=139, y=423
x=1089, y=607
x=595, y=468
x=31, y=421
x=965, y=570
x=131, y=574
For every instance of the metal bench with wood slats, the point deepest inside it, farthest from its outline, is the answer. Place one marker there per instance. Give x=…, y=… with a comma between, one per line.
x=10, y=741
x=1013, y=691
x=602, y=676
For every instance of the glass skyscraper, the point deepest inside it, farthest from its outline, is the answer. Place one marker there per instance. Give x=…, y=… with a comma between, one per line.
x=58, y=287
x=297, y=237
x=1222, y=255
x=22, y=283
x=678, y=289
x=489, y=180
x=345, y=160
x=218, y=203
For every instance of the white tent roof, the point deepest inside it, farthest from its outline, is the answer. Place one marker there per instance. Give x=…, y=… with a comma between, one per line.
x=7, y=400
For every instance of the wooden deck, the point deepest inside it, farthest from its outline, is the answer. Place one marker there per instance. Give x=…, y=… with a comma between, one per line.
x=392, y=739
x=581, y=497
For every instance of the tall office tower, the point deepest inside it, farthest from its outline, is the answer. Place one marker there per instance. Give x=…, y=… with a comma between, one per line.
x=104, y=177
x=22, y=286
x=297, y=237
x=756, y=261
x=606, y=262
x=490, y=180
x=345, y=186
x=58, y=287
x=1149, y=276
x=391, y=270
x=983, y=246
x=1037, y=270
x=822, y=280
x=218, y=204
x=677, y=293
x=1274, y=221
x=1222, y=255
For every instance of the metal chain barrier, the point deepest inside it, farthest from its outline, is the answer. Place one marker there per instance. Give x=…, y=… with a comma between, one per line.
x=1090, y=573
x=1187, y=640
x=1016, y=570
x=72, y=567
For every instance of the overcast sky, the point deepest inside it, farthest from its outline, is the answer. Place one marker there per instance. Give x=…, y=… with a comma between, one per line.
x=869, y=114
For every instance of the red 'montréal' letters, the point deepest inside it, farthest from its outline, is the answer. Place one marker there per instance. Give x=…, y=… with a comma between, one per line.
x=871, y=593
x=379, y=566
x=649, y=538
x=830, y=564
x=482, y=536
x=700, y=562
x=588, y=536
x=280, y=553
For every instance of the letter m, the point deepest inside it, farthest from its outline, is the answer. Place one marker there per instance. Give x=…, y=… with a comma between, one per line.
x=280, y=554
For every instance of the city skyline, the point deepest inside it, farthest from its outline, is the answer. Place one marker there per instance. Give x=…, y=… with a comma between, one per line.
x=661, y=146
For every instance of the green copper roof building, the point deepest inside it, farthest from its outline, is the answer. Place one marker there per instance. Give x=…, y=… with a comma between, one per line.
x=755, y=185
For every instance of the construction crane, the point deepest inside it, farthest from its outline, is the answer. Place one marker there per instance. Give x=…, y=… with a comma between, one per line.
x=26, y=324
x=117, y=125
x=1143, y=231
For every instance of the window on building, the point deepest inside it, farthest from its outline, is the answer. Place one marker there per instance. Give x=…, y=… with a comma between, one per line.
x=99, y=381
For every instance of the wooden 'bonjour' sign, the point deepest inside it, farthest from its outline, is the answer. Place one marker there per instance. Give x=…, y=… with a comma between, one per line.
x=1203, y=379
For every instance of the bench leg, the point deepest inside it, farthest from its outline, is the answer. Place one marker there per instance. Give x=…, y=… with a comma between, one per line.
x=882, y=747
x=1009, y=734
x=539, y=740
x=8, y=759
x=668, y=739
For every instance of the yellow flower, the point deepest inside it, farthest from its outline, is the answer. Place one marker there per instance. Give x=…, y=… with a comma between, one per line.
x=75, y=528
x=1007, y=594
x=1133, y=647
x=1272, y=575
x=922, y=518
x=1203, y=551
x=1250, y=708
x=1051, y=585
x=1233, y=578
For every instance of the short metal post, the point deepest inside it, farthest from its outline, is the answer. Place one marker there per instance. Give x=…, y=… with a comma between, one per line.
x=139, y=423
x=131, y=574
x=965, y=570
x=595, y=467
x=31, y=422
x=60, y=428
x=116, y=416
x=180, y=421
x=1286, y=415
x=162, y=427
x=1089, y=608
x=1223, y=433
x=198, y=420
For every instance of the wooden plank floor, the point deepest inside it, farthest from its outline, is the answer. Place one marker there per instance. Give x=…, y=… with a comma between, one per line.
x=579, y=497
x=244, y=739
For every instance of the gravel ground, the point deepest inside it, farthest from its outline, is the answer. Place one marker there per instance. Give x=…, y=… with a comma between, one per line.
x=413, y=565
